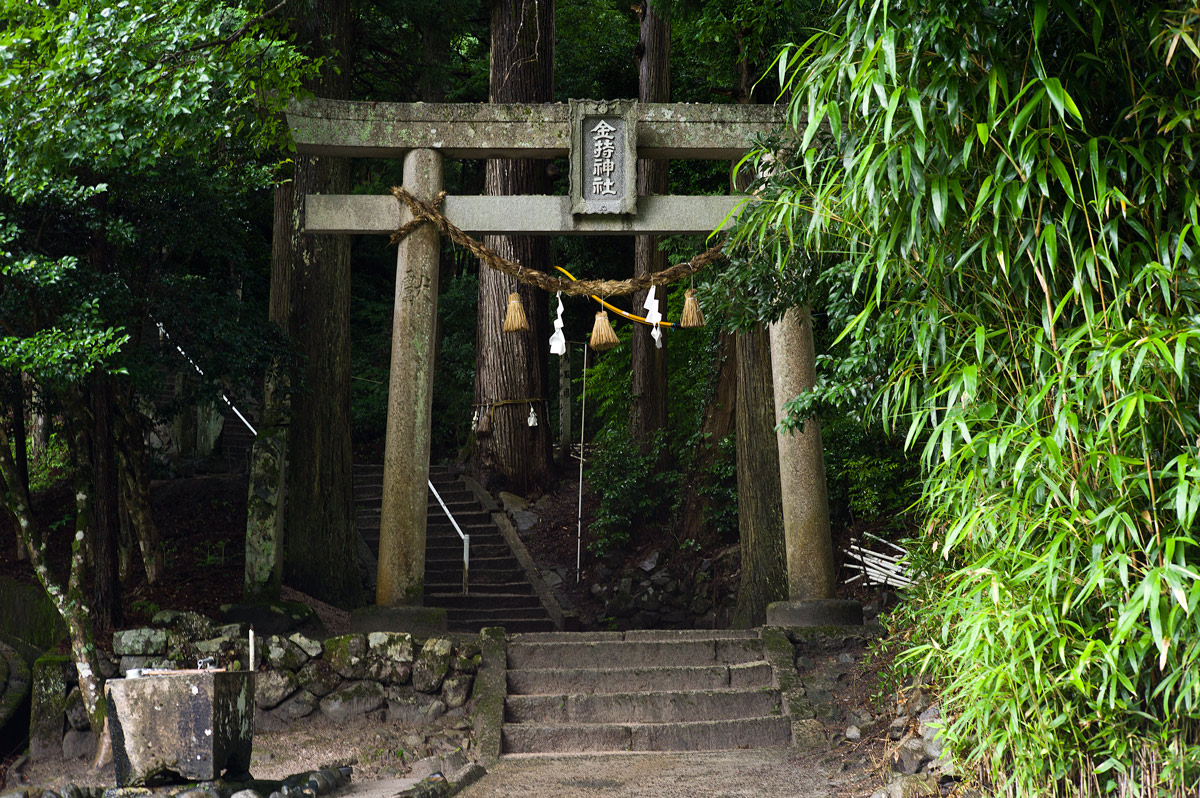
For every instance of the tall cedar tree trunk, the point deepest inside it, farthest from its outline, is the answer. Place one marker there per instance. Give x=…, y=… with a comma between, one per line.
x=134, y=473
x=760, y=501
x=718, y=423
x=648, y=403
x=106, y=530
x=322, y=550
x=760, y=505
x=512, y=367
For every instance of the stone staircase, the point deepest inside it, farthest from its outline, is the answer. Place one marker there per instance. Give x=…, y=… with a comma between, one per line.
x=693, y=690
x=499, y=592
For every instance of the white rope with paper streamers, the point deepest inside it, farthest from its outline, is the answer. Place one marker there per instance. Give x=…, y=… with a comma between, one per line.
x=653, y=317
x=558, y=341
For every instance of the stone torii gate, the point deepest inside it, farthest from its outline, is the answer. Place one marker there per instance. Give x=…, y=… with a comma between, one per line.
x=603, y=140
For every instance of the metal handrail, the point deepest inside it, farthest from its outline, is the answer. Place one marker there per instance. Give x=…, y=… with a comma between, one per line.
x=466, y=539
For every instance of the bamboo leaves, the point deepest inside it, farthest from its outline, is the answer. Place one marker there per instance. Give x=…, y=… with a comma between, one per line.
x=1012, y=212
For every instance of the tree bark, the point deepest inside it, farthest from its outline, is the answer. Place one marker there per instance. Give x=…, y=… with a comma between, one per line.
x=134, y=472
x=106, y=583
x=760, y=505
x=718, y=423
x=67, y=599
x=514, y=368
x=648, y=402
x=321, y=536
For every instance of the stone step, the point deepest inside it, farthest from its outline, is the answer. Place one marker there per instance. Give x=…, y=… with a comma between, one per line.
x=663, y=707
x=485, y=601
x=632, y=653
x=453, y=550
x=433, y=566
x=563, y=681
x=481, y=580
x=470, y=624
x=497, y=588
x=451, y=540
x=664, y=635
x=718, y=735
x=490, y=615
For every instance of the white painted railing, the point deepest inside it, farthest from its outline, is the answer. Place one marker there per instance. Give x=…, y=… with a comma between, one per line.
x=466, y=539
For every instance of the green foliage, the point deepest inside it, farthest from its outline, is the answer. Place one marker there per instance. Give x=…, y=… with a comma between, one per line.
x=454, y=382
x=719, y=485
x=631, y=487
x=87, y=87
x=50, y=466
x=869, y=479
x=1010, y=195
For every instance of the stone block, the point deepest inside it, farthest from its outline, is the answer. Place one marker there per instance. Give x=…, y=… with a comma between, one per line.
x=76, y=712
x=348, y=655
x=815, y=612
x=129, y=663
x=409, y=707
x=273, y=686
x=275, y=617
x=300, y=705
x=396, y=646
x=309, y=646
x=456, y=690
x=191, y=725
x=280, y=652
x=352, y=700
x=143, y=642
x=78, y=745
x=389, y=671
x=431, y=665
x=418, y=621
x=53, y=678
x=319, y=678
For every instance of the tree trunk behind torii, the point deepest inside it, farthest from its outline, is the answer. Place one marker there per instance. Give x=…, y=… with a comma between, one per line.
x=511, y=369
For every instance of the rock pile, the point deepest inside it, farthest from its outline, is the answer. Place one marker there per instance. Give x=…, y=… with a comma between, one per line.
x=651, y=595
x=919, y=763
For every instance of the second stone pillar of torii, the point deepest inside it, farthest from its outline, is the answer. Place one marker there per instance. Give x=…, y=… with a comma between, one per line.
x=801, y=464
x=401, y=574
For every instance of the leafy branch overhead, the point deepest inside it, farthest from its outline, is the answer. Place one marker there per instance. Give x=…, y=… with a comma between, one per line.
x=86, y=86
x=1004, y=203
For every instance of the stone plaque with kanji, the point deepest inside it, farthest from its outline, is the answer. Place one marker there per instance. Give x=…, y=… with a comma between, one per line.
x=603, y=156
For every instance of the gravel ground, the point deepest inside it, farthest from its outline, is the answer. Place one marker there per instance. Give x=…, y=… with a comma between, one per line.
x=371, y=746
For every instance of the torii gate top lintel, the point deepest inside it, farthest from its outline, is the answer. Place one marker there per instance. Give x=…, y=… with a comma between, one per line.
x=516, y=130
x=480, y=130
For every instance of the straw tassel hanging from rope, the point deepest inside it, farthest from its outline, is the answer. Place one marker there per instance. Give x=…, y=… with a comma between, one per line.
x=514, y=318
x=603, y=337
x=692, y=317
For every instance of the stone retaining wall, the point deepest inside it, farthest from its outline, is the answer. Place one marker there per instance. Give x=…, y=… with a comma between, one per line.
x=389, y=675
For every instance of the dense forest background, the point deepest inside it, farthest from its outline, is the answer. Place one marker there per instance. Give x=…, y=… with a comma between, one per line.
x=991, y=209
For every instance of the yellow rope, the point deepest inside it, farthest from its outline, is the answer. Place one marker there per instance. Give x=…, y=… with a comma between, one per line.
x=617, y=310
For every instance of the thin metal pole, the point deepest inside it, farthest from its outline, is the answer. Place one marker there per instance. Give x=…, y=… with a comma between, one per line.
x=582, y=425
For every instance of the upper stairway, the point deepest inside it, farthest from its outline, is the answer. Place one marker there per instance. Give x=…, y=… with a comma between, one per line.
x=499, y=593
x=649, y=690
